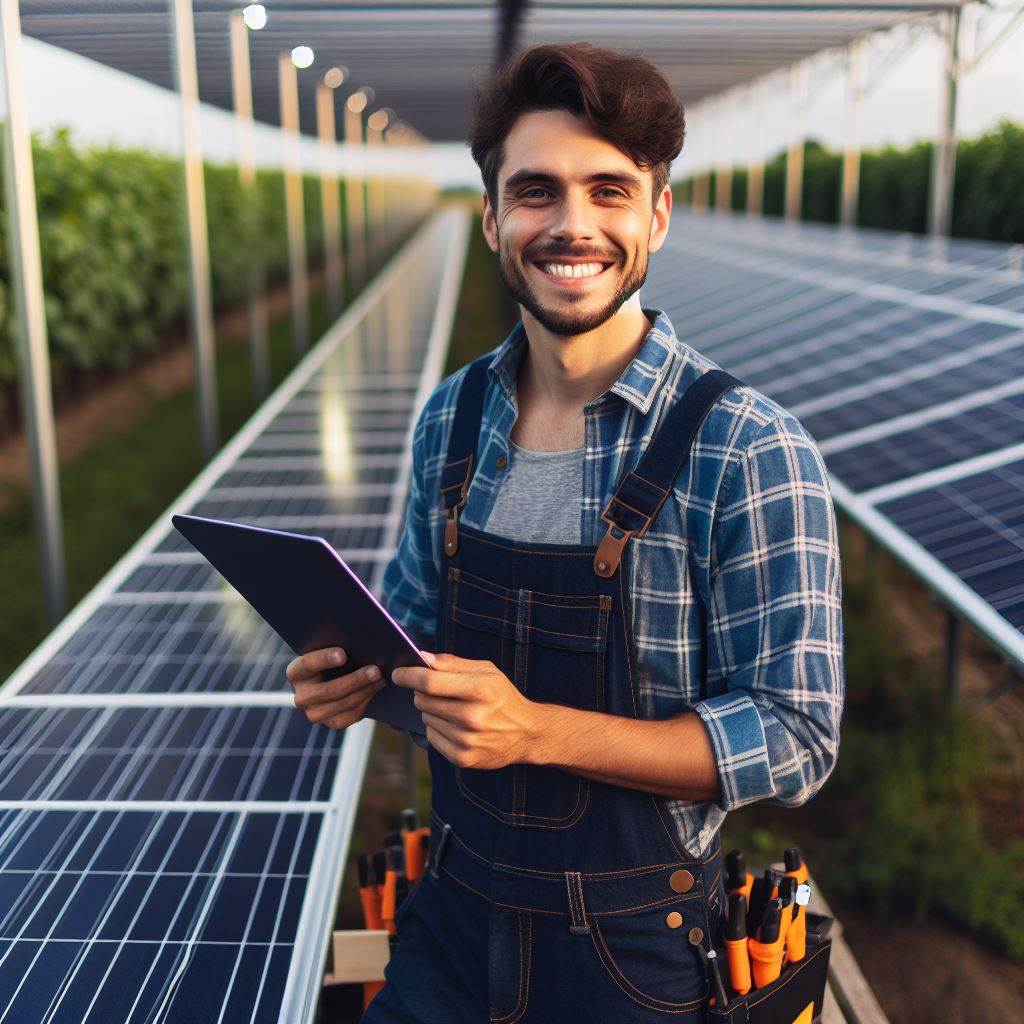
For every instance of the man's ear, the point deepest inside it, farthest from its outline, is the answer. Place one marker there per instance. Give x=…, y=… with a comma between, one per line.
x=489, y=224
x=660, y=219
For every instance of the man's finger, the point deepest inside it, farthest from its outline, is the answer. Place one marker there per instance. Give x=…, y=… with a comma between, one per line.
x=326, y=711
x=432, y=682
x=448, y=708
x=308, y=694
x=442, y=739
x=308, y=665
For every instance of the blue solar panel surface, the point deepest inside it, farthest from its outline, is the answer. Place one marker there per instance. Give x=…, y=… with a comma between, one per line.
x=172, y=829
x=903, y=356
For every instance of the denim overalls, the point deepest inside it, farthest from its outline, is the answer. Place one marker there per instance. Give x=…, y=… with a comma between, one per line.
x=551, y=898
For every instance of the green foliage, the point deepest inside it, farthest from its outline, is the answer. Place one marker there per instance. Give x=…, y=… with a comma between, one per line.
x=112, y=242
x=988, y=191
x=910, y=778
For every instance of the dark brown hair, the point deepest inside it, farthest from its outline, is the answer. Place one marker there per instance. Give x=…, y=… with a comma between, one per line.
x=625, y=98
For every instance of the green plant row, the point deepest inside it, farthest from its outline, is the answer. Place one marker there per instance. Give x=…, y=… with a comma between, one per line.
x=112, y=243
x=988, y=191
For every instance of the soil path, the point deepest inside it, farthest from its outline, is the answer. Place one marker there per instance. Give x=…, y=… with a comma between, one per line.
x=116, y=403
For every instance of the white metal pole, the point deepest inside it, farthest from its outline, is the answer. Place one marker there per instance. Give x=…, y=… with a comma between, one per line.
x=851, y=153
x=241, y=87
x=33, y=347
x=330, y=200
x=355, y=210
x=724, y=139
x=755, y=167
x=201, y=304
x=795, y=155
x=940, y=206
x=298, y=282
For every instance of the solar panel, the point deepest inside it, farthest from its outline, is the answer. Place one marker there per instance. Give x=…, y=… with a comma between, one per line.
x=903, y=357
x=172, y=829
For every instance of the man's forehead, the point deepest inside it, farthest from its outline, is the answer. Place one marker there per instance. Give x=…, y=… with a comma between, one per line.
x=530, y=148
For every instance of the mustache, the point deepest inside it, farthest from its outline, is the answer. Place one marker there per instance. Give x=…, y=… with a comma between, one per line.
x=553, y=254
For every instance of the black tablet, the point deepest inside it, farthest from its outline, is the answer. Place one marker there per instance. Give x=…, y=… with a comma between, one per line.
x=308, y=595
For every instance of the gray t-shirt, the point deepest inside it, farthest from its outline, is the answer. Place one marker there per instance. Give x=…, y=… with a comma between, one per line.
x=539, y=499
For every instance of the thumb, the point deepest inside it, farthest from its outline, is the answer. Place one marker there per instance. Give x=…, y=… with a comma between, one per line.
x=444, y=661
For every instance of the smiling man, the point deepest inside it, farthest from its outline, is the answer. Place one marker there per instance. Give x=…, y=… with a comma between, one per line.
x=624, y=564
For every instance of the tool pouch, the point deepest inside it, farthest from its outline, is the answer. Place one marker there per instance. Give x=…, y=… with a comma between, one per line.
x=796, y=996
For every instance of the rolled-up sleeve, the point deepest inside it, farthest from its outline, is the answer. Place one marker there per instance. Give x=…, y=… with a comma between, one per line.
x=775, y=630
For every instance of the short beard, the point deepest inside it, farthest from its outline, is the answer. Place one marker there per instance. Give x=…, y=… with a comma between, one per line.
x=566, y=324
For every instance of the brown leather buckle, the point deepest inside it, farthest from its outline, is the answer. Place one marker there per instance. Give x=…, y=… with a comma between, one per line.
x=609, y=551
x=616, y=500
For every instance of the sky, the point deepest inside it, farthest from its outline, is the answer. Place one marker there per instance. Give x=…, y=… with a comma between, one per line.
x=901, y=106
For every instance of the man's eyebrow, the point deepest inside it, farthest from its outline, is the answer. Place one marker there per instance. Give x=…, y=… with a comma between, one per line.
x=526, y=174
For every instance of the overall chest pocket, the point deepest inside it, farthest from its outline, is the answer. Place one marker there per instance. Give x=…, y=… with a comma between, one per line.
x=552, y=646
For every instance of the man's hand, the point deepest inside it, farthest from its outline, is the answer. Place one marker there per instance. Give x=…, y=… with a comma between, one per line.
x=474, y=714
x=339, y=702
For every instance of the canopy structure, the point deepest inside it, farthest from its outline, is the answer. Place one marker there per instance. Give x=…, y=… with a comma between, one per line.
x=421, y=57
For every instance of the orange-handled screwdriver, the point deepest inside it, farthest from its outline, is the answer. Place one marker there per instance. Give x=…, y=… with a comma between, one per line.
x=765, y=950
x=737, y=878
x=796, y=937
x=736, y=944
x=411, y=839
x=369, y=893
x=389, y=901
x=795, y=865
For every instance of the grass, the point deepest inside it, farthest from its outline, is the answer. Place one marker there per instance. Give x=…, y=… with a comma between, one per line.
x=900, y=827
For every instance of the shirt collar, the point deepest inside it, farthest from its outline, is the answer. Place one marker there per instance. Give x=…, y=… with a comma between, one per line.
x=637, y=384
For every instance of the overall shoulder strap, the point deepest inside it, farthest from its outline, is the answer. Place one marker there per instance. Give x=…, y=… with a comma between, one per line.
x=459, y=464
x=643, y=490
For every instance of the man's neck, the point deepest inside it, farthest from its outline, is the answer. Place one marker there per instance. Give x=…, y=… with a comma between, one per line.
x=560, y=374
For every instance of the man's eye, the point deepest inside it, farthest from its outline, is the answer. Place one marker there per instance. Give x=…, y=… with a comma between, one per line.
x=614, y=191
x=525, y=194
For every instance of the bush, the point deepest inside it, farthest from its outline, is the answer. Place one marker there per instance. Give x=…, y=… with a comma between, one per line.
x=115, y=264
x=988, y=191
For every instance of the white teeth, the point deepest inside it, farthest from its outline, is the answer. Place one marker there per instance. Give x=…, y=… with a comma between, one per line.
x=573, y=269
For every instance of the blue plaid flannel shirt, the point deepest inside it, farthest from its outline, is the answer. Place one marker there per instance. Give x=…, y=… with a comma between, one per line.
x=749, y=533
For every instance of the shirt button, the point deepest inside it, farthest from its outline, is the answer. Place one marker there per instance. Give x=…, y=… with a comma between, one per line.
x=500, y=462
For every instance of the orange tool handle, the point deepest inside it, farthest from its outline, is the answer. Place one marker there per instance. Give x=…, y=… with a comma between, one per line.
x=745, y=888
x=387, y=910
x=415, y=861
x=369, y=896
x=796, y=937
x=739, y=966
x=765, y=960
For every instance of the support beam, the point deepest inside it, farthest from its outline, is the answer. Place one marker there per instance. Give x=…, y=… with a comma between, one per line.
x=798, y=132
x=201, y=304
x=755, y=164
x=940, y=205
x=241, y=89
x=330, y=200
x=33, y=347
x=355, y=208
x=851, y=153
x=298, y=280
x=724, y=139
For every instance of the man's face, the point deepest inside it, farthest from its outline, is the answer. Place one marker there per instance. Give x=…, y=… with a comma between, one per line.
x=574, y=224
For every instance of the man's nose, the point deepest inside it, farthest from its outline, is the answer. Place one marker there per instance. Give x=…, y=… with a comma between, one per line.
x=572, y=218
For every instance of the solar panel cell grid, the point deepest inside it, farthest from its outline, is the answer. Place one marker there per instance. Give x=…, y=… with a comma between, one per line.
x=160, y=793
x=132, y=915
x=899, y=354
x=165, y=753
x=975, y=526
